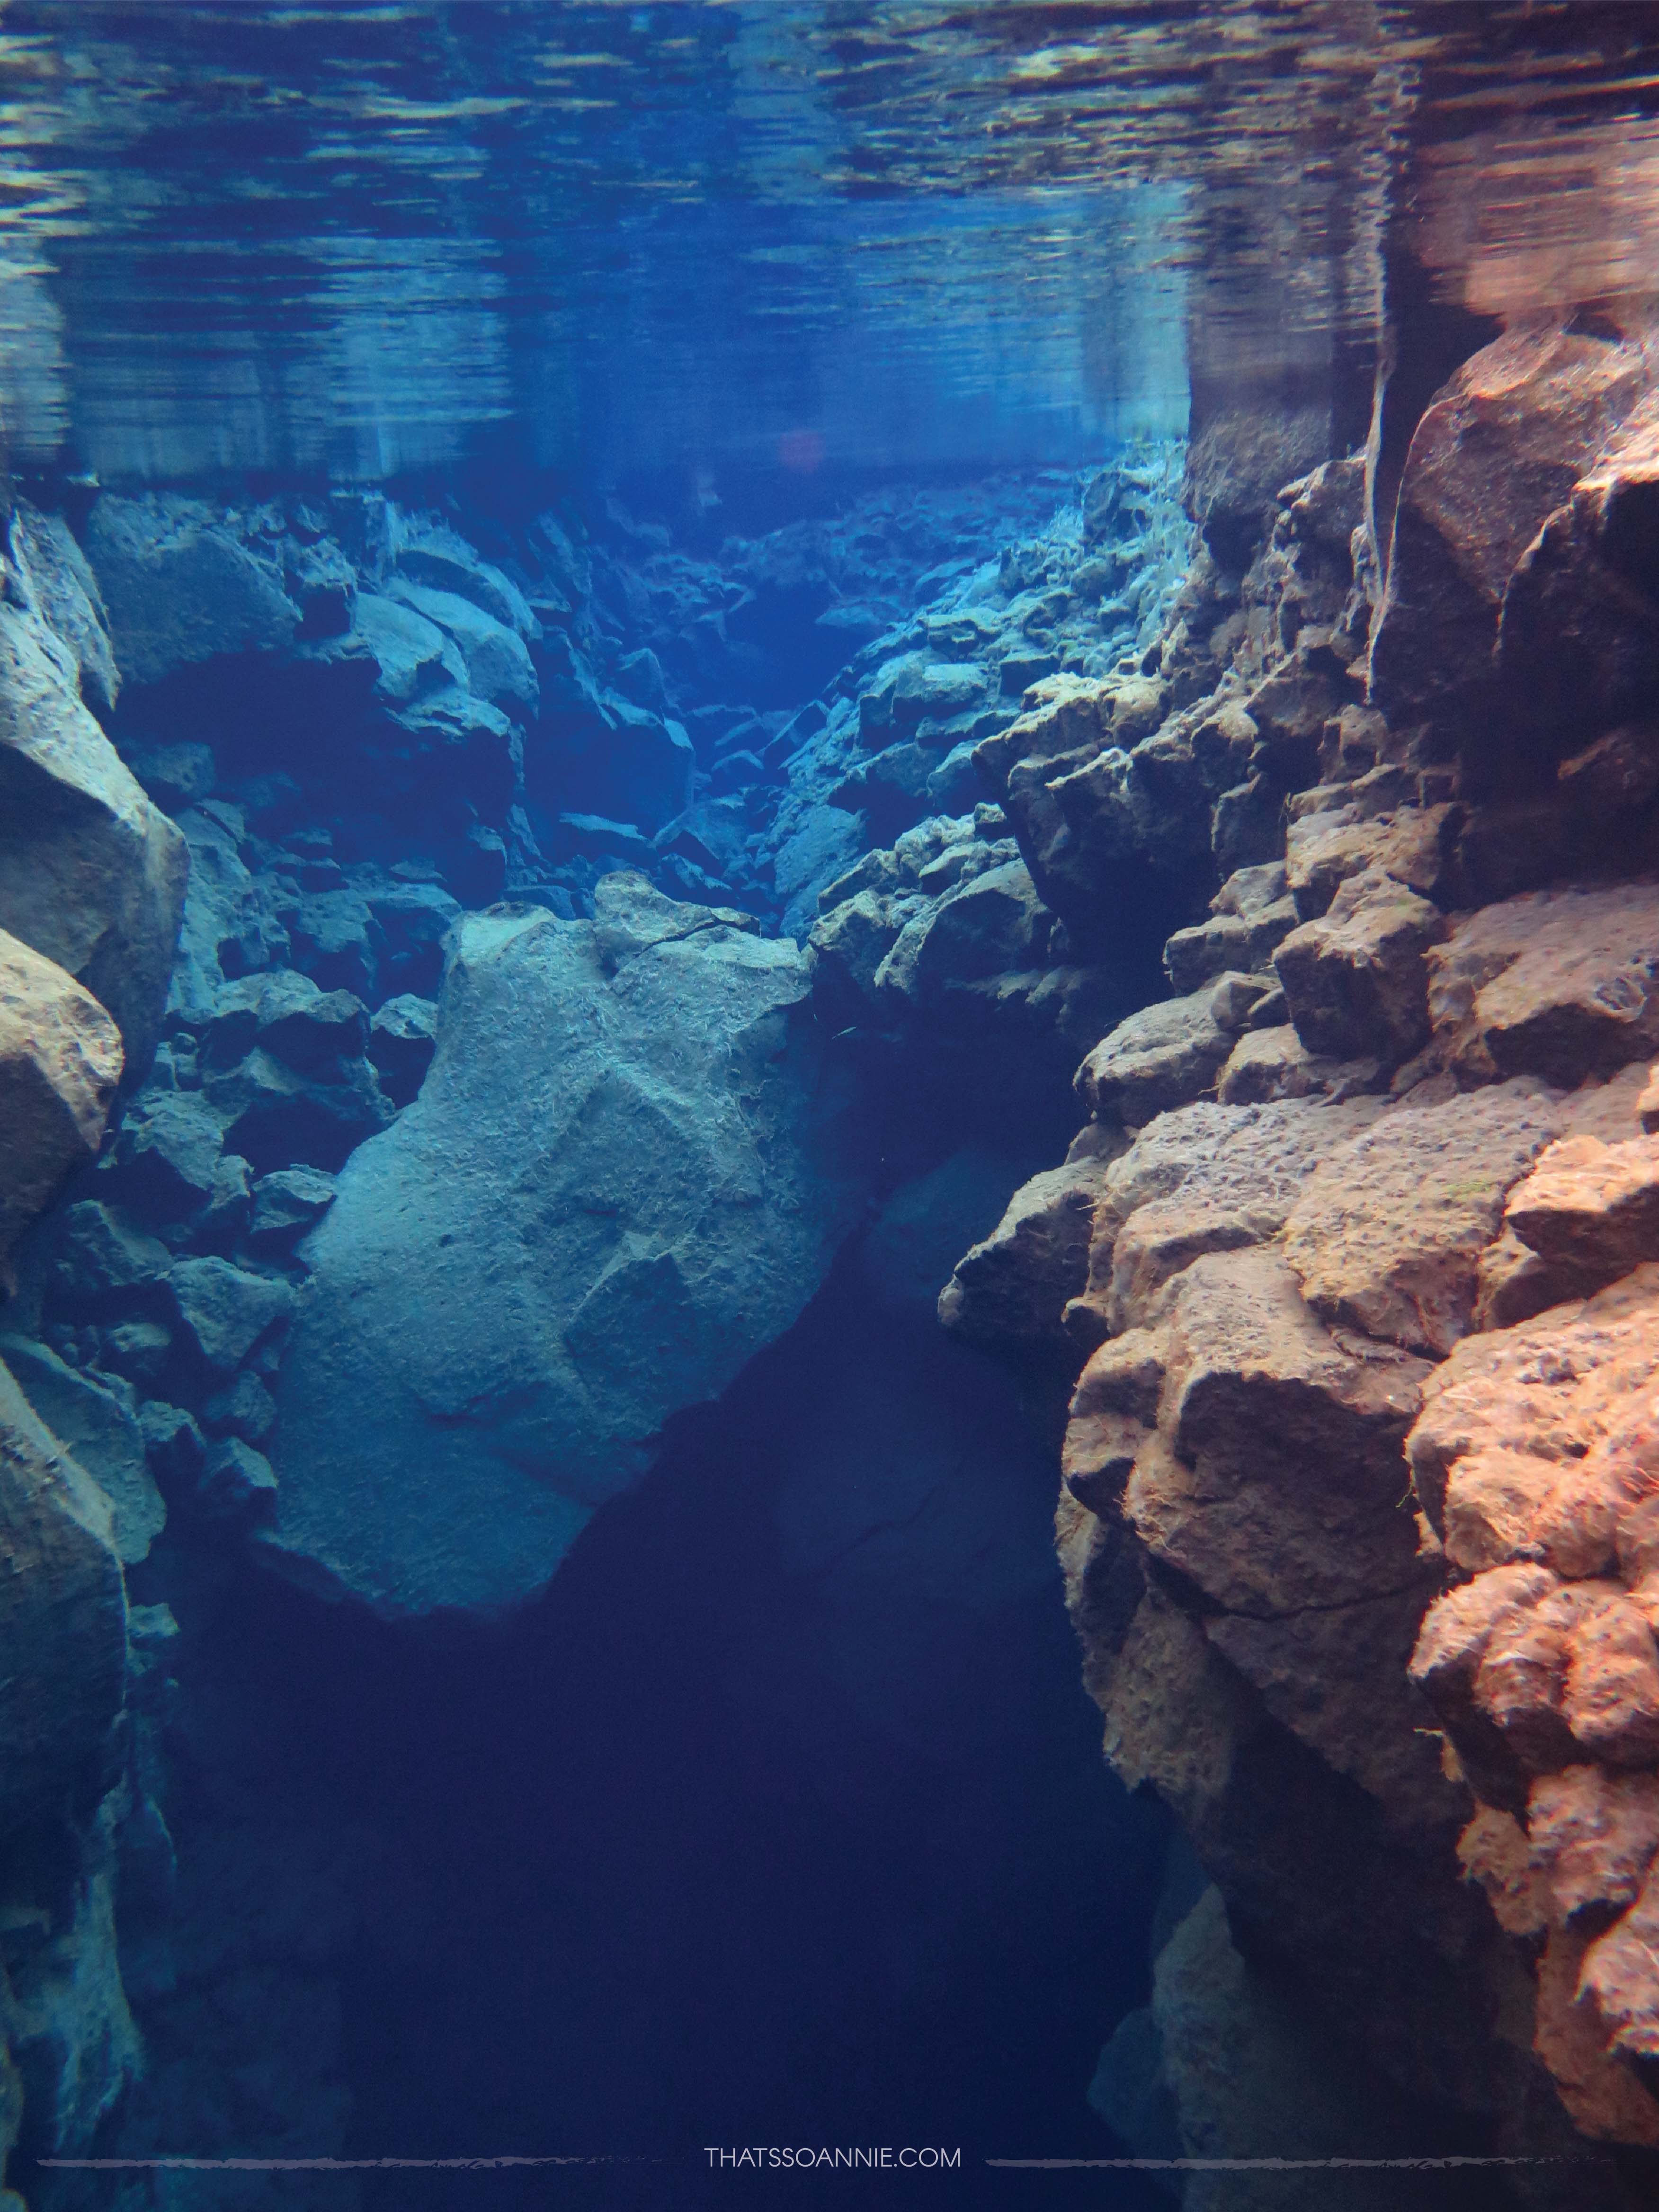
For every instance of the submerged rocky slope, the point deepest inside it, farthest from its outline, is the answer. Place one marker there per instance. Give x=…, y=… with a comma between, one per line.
x=579, y=939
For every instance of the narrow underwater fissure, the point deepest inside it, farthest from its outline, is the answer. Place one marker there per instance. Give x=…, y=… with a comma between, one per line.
x=737, y=1835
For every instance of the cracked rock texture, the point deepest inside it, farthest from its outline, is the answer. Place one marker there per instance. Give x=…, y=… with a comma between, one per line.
x=1360, y=1473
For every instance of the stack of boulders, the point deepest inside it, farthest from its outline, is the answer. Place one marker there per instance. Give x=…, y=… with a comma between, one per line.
x=91, y=879
x=1355, y=1263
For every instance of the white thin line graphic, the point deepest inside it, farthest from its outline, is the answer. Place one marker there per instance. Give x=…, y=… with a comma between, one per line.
x=320, y=2164
x=1286, y=2165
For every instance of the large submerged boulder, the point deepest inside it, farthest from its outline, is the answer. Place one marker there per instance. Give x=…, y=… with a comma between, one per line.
x=624, y=1173
x=92, y=875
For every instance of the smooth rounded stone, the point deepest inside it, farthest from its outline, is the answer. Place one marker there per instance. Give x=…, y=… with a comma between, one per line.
x=180, y=587
x=100, y=1429
x=92, y=874
x=622, y=1176
x=224, y=1310
x=63, y=1622
x=60, y=1060
x=401, y=1039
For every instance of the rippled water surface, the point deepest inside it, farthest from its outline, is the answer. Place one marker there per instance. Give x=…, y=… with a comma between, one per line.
x=370, y=237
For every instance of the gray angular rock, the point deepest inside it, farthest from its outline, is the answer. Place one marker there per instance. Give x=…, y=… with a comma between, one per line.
x=286, y=1203
x=273, y=1115
x=225, y=1311
x=102, y=1256
x=165, y=1159
x=65, y=593
x=236, y=1484
x=620, y=1179
x=498, y=664
x=99, y=1426
x=181, y=587
x=92, y=875
x=402, y=1037
x=290, y=1015
x=63, y=1623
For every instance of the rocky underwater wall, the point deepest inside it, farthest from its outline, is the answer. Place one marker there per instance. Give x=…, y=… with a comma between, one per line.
x=556, y=996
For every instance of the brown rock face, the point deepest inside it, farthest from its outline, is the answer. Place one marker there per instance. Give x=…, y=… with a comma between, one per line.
x=1388, y=1235
x=1590, y=1207
x=1537, y=1458
x=1357, y=979
x=60, y=1060
x=1553, y=983
x=1498, y=452
x=1168, y=1053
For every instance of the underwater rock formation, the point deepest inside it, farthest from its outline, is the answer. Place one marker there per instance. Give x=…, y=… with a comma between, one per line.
x=620, y=1180
x=1370, y=1202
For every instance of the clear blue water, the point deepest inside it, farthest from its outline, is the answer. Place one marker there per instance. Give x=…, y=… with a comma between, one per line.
x=829, y=305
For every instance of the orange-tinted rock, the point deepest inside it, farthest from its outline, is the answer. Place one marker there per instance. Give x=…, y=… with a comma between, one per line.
x=1112, y=1413
x=1549, y=1390
x=1389, y=1233
x=1593, y=1835
x=1493, y=1849
x=1237, y=1192
x=1356, y=979
x=1611, y=1696
x=1591, y=1207
x=1553, y=983
x=60, y=1060
x=1604, y=2098
x=1169, y=1053
x=1415, y=846
x=1621, y=1975
x=1500, y=448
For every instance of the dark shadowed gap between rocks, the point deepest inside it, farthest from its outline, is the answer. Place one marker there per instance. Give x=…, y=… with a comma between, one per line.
x=780, y=1818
